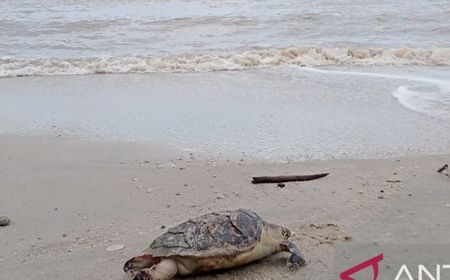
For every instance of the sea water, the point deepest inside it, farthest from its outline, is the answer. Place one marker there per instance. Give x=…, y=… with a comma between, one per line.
x=272, y=78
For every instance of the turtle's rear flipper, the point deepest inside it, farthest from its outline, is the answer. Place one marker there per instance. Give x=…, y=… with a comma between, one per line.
x=135, y=264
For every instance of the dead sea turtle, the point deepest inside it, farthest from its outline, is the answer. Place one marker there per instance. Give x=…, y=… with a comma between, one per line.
x=213, y=241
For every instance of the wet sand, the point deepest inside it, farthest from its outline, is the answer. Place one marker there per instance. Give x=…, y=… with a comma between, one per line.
x=70, y=199
x=285, y=113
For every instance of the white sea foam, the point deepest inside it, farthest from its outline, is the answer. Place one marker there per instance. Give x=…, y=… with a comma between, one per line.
x=205, y=62
x=434, y=101
x=432, y=97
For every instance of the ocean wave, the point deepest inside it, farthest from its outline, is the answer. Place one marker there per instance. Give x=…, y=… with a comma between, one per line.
x=198, y=62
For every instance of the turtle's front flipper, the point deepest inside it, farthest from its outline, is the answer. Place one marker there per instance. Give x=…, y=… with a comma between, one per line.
x=135, y=264
x=165, y=270
x=296, y=259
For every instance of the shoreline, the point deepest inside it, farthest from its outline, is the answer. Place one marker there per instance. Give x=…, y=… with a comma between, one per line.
x=280, y=114
x=69, y=200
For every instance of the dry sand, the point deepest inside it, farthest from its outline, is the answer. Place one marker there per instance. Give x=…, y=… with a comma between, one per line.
x=70, y=199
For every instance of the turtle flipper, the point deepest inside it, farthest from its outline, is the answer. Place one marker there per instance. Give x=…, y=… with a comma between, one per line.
x=135, y=264
x=296, y=259
x=165, y=270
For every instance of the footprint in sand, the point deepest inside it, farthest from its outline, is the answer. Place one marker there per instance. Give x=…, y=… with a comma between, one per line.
x=318, y=234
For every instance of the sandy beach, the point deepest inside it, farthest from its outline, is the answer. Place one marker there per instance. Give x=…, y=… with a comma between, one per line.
x=91, y=161
x=70, y=199
x=121, y=119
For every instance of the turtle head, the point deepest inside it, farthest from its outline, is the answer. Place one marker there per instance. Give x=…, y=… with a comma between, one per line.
x=279, y=232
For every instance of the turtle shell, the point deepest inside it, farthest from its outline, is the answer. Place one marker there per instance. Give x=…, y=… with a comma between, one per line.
x=217, y=234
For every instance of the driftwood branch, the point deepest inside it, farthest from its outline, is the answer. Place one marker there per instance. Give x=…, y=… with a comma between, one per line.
x=444, y=167
x=288, y=178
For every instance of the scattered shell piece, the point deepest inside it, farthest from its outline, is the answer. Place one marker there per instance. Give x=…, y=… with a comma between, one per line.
x=150, y=190
x=394, y=181
x=166, y=165
x=4, y=221
x=134, y=179
x=115, y=247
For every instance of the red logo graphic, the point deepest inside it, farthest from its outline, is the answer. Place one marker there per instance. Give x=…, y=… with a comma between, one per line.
x=373, y=262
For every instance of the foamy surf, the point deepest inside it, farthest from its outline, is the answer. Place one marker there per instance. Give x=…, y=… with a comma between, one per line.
x=206, y=62
x=432, y=97
x=431, y=100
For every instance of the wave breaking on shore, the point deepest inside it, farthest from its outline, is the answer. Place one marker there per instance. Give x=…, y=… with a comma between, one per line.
x=198, y=62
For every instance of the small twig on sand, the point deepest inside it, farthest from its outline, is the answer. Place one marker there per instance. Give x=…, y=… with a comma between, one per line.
x=444, y=167
x=288, y=178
